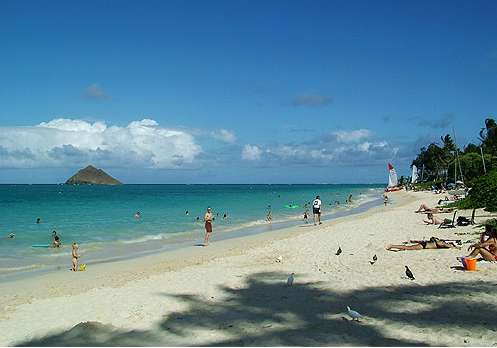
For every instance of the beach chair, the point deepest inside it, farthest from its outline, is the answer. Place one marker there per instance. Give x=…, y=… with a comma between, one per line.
x=448, y=223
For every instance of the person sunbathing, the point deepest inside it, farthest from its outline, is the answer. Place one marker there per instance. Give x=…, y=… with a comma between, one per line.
x=423, y=208
x=487, y=249
x=432, y=220
x=433, y=243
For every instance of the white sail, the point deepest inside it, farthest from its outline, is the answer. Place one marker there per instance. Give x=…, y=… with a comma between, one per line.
x=392, y=176
x=414, y=176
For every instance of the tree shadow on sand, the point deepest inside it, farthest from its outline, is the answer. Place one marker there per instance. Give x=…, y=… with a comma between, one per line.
x=265, y=312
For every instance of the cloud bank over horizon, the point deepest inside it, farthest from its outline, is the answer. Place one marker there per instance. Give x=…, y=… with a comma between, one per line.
x=69, y=142
x=148, y=146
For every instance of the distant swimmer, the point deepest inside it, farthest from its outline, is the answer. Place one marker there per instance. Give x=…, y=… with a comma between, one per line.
x=187, y=212
x=197, y=218
x=208, y=225
x=55, y=240
x=75, y=256
x=225, y=216
x=38, y=220
x=138, y=215
x=350, y=199
x=316, y=210
x=11, y=235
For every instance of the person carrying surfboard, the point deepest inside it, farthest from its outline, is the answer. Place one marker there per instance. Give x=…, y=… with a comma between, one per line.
x=316, y=210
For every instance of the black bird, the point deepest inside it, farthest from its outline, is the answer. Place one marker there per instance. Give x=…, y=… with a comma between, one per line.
x=375, y=258
x=409, y=274
x=339, y=251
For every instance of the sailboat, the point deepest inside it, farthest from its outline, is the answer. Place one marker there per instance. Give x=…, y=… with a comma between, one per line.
x=414, y=175
x=392, y=179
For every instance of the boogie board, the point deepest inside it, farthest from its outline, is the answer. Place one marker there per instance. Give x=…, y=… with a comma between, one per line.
x=292, y=206
x=40, y=245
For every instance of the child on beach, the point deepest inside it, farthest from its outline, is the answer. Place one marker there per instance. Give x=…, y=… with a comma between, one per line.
x=75, y=256
x=385, y=199
x=305, y=217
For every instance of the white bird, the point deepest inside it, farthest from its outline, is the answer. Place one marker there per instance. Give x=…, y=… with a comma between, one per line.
x=291, y=278
x=279, y=259
x=353, y=314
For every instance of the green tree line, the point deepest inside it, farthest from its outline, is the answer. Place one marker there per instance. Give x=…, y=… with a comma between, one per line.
x=439, y=161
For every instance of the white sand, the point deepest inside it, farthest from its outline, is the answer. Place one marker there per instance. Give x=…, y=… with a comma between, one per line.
x=234, y=293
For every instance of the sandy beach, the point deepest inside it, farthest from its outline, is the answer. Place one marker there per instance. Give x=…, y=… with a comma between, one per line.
x=234, y=292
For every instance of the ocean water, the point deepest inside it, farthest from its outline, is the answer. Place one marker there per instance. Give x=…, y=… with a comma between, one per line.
x=102, y=218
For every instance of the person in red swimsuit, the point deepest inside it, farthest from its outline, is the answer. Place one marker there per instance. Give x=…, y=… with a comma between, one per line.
x=208, y=225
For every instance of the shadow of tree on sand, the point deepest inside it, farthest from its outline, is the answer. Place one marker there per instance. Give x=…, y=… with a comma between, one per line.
x=264, y=312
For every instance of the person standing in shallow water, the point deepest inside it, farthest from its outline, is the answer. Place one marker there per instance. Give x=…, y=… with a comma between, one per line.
x=75, y=256
x=208, y=225
x=316, y=210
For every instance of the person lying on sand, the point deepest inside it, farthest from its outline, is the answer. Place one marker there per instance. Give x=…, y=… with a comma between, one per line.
x=433, y=243
x=423, y=208
x=432, y=220
x=486, y=249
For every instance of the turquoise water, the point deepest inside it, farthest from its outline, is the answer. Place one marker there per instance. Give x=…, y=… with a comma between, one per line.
x=102, y=217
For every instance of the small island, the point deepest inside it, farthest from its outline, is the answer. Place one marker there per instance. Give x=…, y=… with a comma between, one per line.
x=92, y=176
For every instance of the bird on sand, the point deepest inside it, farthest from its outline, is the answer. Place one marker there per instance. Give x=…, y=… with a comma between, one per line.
x=409, y=274
x=291, y=278
x=375, y=258
x=353, y=314
x=339, y=251
x=279, y=258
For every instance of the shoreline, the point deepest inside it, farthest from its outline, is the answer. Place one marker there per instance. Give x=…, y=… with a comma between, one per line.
x=182, y=240
x=237, y=282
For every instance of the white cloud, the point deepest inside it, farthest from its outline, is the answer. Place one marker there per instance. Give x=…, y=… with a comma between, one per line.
x=94, y=91
x=224, y=135
x=63, y=142
x=352, y=136
x=251, y=152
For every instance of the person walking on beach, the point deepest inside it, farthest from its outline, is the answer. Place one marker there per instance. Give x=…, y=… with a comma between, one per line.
x=385, y=198
x=208, y=225
x=75, y=256
x=316, y=210
x=306, y=217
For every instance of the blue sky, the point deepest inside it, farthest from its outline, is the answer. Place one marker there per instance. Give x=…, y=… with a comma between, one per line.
x=239, y=91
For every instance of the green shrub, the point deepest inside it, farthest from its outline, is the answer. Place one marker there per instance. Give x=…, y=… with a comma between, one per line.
x=483, y=193
x=426, y=186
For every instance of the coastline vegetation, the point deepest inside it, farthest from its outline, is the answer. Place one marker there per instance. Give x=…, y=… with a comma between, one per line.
x=474, y=165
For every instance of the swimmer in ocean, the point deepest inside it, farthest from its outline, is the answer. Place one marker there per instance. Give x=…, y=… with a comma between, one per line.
x=138, y=215
x=38, y=220
x=55, y=240
x=11, y=235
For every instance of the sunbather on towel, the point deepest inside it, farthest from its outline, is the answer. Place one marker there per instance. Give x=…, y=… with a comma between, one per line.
x=423, y=208
x=433, y=243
